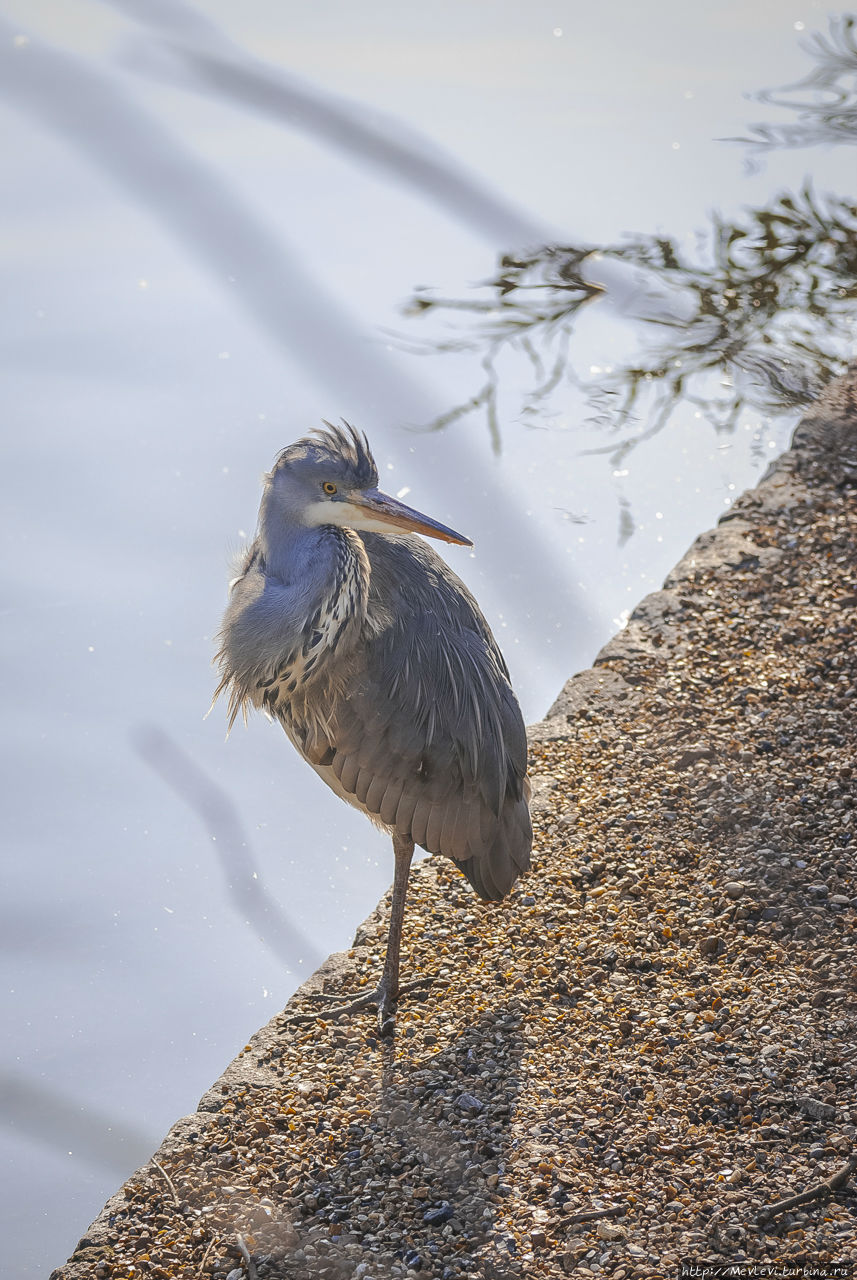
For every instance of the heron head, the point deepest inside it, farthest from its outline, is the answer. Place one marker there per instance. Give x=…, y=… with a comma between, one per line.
x=330, y=477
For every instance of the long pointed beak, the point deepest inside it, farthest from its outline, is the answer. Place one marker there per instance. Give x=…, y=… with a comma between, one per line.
x=379, y=511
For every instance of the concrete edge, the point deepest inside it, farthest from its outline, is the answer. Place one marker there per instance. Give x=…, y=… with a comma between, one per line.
x=823, y=452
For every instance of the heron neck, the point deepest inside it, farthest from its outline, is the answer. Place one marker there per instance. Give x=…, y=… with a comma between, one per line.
x=291, y=552
x=326, y=565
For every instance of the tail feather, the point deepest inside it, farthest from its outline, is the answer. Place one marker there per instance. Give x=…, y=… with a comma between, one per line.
x=493, y=872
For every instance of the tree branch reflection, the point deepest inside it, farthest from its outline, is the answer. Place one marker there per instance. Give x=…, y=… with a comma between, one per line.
x=825, y=100
x=764, y=305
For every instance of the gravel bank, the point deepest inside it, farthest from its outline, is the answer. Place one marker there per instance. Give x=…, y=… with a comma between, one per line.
x=647, y=1046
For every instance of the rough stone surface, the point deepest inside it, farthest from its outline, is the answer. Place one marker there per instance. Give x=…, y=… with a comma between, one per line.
x=654, y=1039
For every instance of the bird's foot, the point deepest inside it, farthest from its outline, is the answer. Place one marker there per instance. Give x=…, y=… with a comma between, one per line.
x=380, y=999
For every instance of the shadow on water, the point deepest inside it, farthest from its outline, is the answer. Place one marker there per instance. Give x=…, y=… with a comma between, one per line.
x=96, y=114
x=184, y=47
x=414, y=1181
x=38, y=1113
x=211, y=804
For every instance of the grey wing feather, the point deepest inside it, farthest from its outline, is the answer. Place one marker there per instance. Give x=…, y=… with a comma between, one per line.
x=427, y=734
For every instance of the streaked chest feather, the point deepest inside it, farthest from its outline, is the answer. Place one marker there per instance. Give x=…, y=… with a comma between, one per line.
x=304, y=679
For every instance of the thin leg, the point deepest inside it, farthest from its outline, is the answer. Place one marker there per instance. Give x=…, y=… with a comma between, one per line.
x=386, y=994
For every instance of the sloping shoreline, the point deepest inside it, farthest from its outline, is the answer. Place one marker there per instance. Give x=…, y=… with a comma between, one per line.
x=655, y=1037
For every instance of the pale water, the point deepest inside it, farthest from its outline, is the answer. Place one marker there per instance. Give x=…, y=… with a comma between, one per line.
x=191, y=283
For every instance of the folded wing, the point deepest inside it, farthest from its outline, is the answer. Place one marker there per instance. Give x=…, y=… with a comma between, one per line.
x=425, y=733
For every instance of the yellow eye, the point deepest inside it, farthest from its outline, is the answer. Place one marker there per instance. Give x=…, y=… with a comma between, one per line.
x=329, y=487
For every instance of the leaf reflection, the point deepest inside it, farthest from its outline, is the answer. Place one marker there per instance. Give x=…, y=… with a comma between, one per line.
x=825, y=99
x=767, y=298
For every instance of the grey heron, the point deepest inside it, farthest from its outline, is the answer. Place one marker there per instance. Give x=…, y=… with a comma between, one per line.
x=379, y=665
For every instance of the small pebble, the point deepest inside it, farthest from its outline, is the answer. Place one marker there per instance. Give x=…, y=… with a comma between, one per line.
x=439, y=1214
x=468, y=1104
x=815, y=1108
